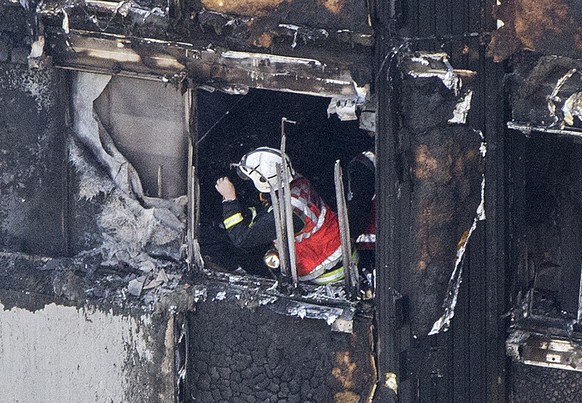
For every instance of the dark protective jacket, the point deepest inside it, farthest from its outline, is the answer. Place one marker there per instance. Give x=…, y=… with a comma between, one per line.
x=317, y=240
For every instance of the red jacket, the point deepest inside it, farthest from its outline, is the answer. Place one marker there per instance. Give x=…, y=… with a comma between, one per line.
x=318, y=244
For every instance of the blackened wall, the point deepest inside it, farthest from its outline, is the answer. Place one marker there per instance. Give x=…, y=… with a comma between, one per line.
x=468, y=362
x=244, y=355
x=32, y=161
x=545, y=385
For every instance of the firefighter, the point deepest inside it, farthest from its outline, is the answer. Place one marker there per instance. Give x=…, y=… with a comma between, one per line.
x=317, y=239
x=362, y=213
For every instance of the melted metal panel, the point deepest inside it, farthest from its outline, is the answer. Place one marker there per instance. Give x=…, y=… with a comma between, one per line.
x=183, y=64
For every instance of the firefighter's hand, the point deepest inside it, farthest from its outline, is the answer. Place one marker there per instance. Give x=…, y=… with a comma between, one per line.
x=225, y=187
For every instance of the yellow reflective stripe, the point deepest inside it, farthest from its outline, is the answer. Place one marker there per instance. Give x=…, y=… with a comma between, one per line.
x=232, y=220
x=253, y=215
x=330, y=276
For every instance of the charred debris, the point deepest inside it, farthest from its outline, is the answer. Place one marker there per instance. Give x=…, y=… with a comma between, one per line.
x=140, y=106
x=130, y=225
x=127, y=233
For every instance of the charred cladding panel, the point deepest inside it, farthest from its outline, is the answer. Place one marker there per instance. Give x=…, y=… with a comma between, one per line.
x=551, y=27
x=338, y=14
x=32, y=162
x=256, y=355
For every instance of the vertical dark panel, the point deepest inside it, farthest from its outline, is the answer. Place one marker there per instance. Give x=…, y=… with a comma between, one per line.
x=460, y=349
x=476, y=321
x=33, y=166
x=495, y=204
x=473, y=367
x=388, y=246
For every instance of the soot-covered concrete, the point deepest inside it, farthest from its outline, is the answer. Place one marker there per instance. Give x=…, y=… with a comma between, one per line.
x=57, y=352
x=32, y=161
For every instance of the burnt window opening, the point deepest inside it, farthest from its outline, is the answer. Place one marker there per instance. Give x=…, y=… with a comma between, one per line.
x=147, y=122
x=139, y=133
x=128, y=148
x=229, y=126
x=140, y=122
x=551, y=255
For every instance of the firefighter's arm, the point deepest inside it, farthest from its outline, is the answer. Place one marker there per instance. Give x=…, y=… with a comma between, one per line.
x=245, y=227
x=225, y=187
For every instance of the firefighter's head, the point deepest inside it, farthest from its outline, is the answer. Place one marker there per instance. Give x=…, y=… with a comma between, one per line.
x=260, y=166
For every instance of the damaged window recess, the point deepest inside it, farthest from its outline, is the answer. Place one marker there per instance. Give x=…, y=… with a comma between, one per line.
x=547, y=309
x=550, y=99
x=129, y=148
x=547, y=313
x=143, y=143
x=137, y=70
x=233, y=129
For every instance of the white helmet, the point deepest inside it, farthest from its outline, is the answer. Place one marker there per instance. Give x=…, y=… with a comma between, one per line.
x=260, y=166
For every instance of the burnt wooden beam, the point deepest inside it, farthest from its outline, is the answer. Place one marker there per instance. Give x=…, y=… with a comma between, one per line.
x=342, y=36
x=183, y=63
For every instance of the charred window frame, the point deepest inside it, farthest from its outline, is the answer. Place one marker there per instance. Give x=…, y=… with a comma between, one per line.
x=220, y=134
x=546, y=327
x=136, y=132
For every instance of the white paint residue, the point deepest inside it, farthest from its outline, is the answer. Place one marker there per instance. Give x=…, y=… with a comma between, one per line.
x=220, y=296
x=200, y=294
x=344, y=108
x=37, y=48
x=272, y=58
x=330, y=318
x=65, y=25
x=64, y=354
x=268, y=300
x=572, y=107
x=391, y=382
x=299, y=311
x=437, y=65
x=553, y=98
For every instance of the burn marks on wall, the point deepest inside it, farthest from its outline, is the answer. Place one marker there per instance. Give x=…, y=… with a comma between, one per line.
x=444, y=161
x=550, y=27
x=32, y=164
x=241, y=354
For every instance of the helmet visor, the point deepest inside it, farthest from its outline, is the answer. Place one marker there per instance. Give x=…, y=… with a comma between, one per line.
x=241, y=173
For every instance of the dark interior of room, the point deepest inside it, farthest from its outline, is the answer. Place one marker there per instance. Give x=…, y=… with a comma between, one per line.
x=232, y=125
x=553, y=218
